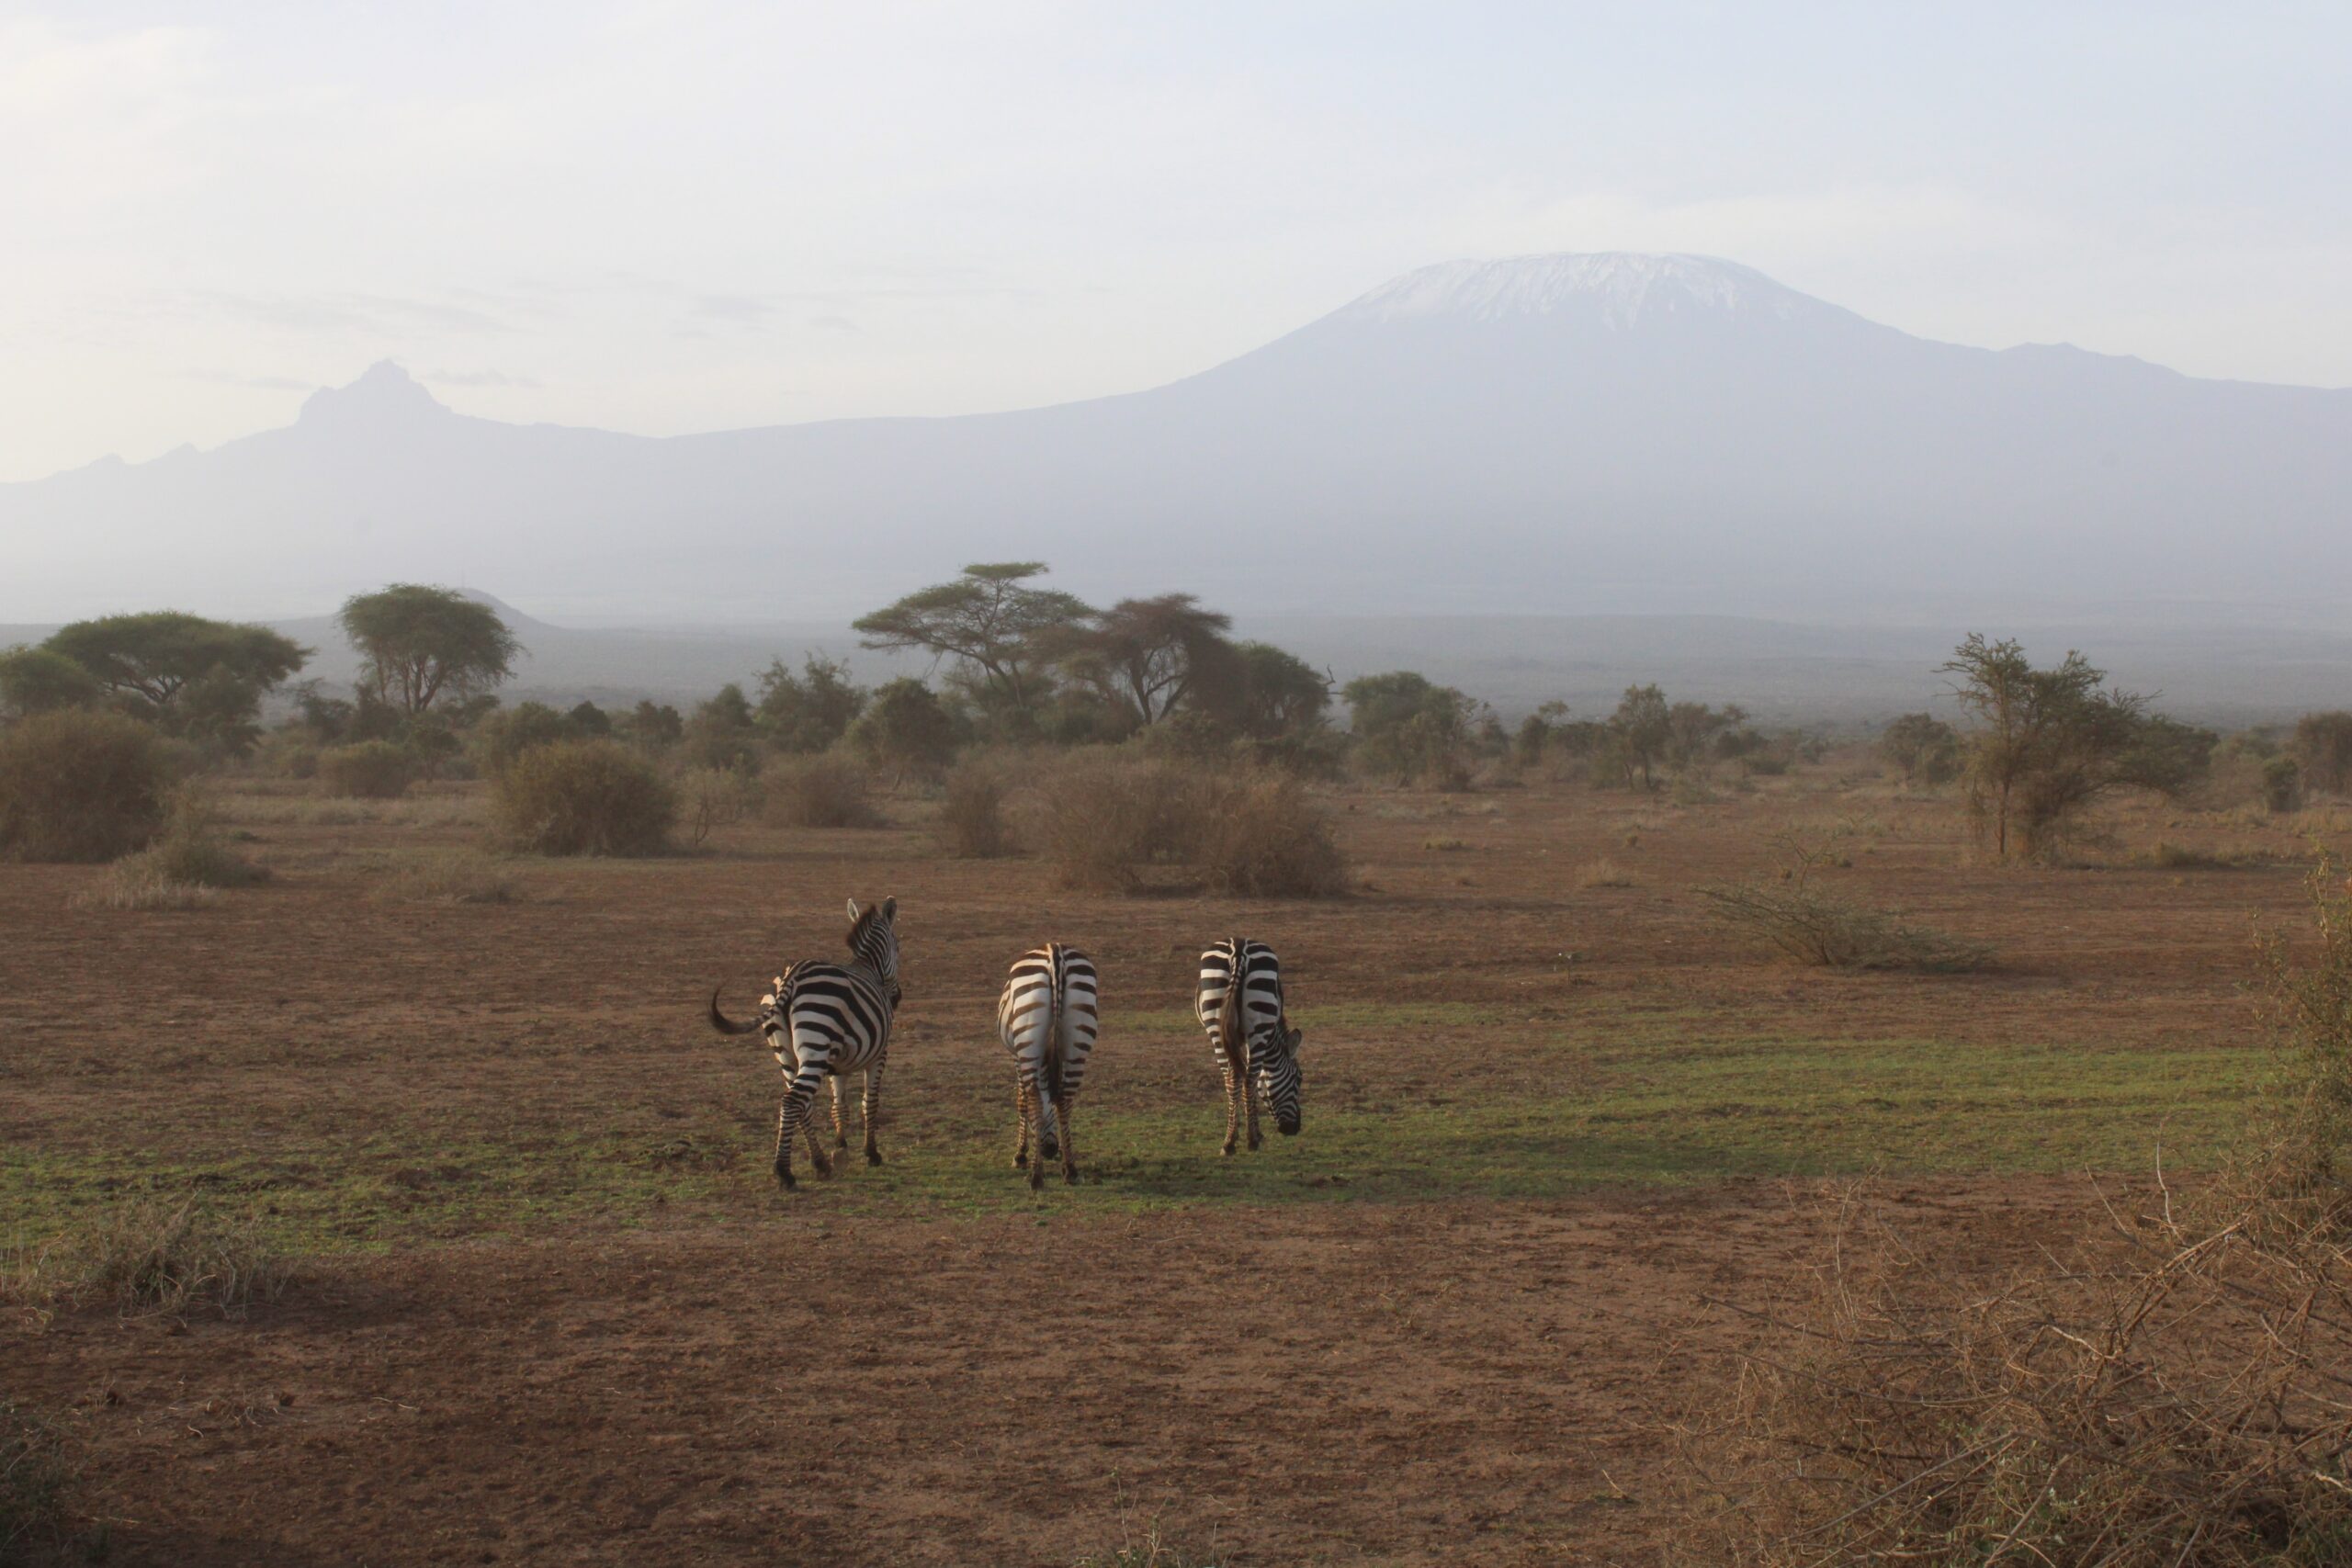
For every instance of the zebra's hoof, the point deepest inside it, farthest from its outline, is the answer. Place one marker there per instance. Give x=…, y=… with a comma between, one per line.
x=1021, y=1161
x=1037, y=1179
x=784, y=1179
x=873, y=1156
x=1070, y=1178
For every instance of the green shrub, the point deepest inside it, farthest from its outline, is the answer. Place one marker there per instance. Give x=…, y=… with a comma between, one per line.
x=372, y=769
x=819, y=792
x=2282, y=785
x=80, y=786
x=583, y=797
x=714, y=798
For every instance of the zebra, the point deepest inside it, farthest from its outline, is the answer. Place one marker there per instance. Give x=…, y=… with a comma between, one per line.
x=1046, y=1018
x=1240, y=1005
x=827, y=1020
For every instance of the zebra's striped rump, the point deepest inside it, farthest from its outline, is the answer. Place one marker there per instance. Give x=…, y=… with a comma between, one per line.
x=1240, y=1006
x=1047, y=1017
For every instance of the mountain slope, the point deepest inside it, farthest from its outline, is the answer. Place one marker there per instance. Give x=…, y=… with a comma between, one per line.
x=1558, y=433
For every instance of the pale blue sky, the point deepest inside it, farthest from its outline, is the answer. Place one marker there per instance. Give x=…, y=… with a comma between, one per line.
x=674, y=217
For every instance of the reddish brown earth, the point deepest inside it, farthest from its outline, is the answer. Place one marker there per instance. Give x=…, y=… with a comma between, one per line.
x=801, y=1382
x=1414, y=1384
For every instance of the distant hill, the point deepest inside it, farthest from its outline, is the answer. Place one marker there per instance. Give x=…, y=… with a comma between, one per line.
x=1553, y=436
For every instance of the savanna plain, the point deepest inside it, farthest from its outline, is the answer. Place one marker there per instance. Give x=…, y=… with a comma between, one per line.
x=1569, y=1141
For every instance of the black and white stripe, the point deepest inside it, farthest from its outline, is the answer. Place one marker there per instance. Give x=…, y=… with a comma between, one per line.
x=827, y=1020
x=1048, y=1019
x=1240, y=1005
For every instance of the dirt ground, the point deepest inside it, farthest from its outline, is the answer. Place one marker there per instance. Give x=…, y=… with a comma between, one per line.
x=702, y=1370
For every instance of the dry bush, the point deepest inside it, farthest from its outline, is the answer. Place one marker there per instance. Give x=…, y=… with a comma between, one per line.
x=819, y=792
x=455, y=876
x=152, y=1255
x=372, y=769
x=2178, y=1397
x=34, y=1480
x=972, y=823
x=583, y=797
x=132, y=883
x=1605, y=873
x=1106, y=820
x=1264, y=838
x=80, y=786
x=714, y=798
x=1822, y=929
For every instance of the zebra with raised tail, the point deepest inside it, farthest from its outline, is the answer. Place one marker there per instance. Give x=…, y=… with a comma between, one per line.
x=1240, y=1005
x=827, y=1020
x=1048, y=1019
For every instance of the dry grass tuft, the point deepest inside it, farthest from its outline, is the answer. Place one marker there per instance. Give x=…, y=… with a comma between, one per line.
x=34, y=1479
x=452, y=876
x=1606, y=873
x=1822, y=929
x=151, y=1256
x=1445, y=846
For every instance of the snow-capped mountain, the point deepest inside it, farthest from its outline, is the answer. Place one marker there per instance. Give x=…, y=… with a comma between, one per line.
x=1547, y=433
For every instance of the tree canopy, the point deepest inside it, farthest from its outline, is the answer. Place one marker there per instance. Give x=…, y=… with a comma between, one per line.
x=1146, y=655
x=152, y=657
x=421, y=643
x=40, y=680
x=988, y=620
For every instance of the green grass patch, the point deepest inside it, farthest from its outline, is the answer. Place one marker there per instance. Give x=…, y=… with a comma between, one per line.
x=1654, y=1109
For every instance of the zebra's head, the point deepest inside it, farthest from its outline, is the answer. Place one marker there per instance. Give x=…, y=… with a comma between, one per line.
x=1273, y=1062
x=874, y=938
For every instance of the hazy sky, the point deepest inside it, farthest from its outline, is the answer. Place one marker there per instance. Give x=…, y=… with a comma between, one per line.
x=674, y=217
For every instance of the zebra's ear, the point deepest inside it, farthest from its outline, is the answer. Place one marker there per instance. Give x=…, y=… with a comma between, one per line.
x=853, y=911
x=1291, y=1038
x=889, y=910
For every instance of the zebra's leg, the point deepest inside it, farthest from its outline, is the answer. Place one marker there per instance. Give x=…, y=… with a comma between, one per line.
x=783, y=1142
x=1250, y=1097
x=1062, y=1108
x=840, y=1132
x=870, y=1110
x=1021, y=1114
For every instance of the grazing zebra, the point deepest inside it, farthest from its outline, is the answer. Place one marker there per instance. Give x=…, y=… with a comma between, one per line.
x=1046, y=1018
x=827, y=1020
x=1240, y=1005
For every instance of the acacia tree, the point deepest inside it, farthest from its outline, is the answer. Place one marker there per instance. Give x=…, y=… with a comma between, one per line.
x=422, y=644
x=1266, y=693
x=1146, y=655
x=184, y=673
x=2049, y=743
x=998, y=629
x=151, y=658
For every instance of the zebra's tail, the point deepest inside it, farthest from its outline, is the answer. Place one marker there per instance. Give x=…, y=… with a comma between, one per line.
x=726, y=1025
x=1049, y=1068
x=1229, y=1014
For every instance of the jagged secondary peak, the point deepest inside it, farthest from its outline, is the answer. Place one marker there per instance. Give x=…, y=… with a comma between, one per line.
x=1621, y=287
x=384, y=392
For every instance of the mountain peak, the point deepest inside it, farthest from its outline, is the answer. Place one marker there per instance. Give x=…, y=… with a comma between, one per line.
x=1620, y=287
x=384, y=393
